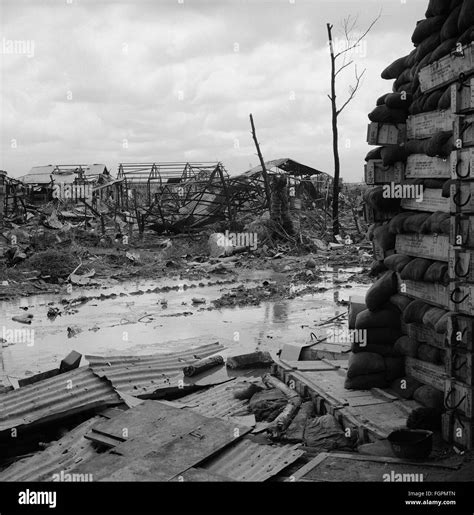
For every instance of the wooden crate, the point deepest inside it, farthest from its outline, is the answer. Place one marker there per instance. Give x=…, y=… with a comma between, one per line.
x=420, y=166
x=462, y=97
x=426, y=125
x=377, y=173
x=462, y=164
x=462, y=231
x=460, y=333
x=462, y=197
x=386, y=133
x=447, y=69
x=426, y=373
x=461, y=265
x=429, y=246
x=372, y=216
x=459, y=365
x=464, y=131
x=458, y=297
x=423, y=334
x=458, y=396
x=432, y=201
x=458, y=430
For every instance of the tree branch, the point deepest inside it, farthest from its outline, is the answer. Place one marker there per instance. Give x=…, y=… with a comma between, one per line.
x=347, y=35
x=342, y=68
x=353, y=91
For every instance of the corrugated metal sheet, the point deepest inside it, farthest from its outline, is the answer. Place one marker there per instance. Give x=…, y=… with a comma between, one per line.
x=142, y=375
x=250, y=461
x=62, y=455
x=71, y=392
x=218, y=401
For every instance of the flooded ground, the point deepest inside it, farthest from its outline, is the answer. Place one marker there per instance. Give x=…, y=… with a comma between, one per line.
x=135, y=320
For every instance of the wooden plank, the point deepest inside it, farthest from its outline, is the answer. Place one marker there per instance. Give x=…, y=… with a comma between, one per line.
x=377, y=173
x=462, y=197
x=344, y=467
x=426, y=125
x=332, y=351
x=462, y=97
x=462, y=164
x=460, y=334
x=200, y=475
x=420, y=166
x=316, y=365
x=461, y=265
x=462, y=231
x=423, y=334
x=458, y=430
x=447, y=70
x=433, y=200
x=464, y=130
x=386, y=133
x=430, y=246
x=459, y=364
x=459, y=396
x=426, y=373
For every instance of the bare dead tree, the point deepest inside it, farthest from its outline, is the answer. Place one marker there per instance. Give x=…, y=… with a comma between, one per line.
x=337, y=66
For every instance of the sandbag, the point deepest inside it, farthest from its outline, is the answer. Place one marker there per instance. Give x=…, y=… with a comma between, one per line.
x=445, y=100
x=267, y=404
x=424, y=418
x=400, y=301
x=466, y=37
x=437, y=272
x=396, y=262
x=432, y=225
x=384, y=237
x=394, y=367
x=426, y=27
x=405, y=387
x=444, y=49
x=354, y=309
x=395, y=226
x=429, y=353
x=466, y=16
x=429, y=397
x=421, y=63
x=381, y=100
x=447, y=147
x=381, y=291
x=441, y=326
x=377, y=268
x=435, y=146
x=415, y=146
x=382, y=318
x=376, y=199
x=405, y=87
x=432, y=316
x=445, y=226
x=416, y=108
x=415, y=269
x=405, y=346
x=393, y=154
x=437, y=8
x=378, y=340
x=446, y=193
x=366, y=382
x=383, y=114
x=434, y=184
x=398, y=101
x=415, y=312
x=375, y=153
x=394, y=70
x=403, y=81
x=365, y=363
x=410, y=60
x=450, y=27
x=432, y=100
x=413, y=223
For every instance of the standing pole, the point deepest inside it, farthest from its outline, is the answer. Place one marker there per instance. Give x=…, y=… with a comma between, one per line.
x=262, y=164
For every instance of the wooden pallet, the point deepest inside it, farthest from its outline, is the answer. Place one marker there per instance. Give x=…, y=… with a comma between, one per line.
x=447, y=69
x=462, y=97
x=426, y=373
x=377, y=173
x=420, y=166
x=347, y=467
x=433, y=200
x=423, y=334
x=430, y=246
x=386, y=133
x=459, y=396
x=460, y=332
x=458, y=430
x=426, y=125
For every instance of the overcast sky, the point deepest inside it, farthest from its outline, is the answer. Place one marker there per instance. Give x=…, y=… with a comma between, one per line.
x=175, y=80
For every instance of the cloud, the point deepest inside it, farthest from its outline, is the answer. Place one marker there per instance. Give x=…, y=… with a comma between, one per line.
x=170, y=80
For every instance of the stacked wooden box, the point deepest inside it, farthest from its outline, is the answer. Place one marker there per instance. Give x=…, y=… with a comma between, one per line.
x=433, y=149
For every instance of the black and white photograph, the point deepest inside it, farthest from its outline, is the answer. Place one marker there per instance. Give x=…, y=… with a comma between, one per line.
x=236, y=256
